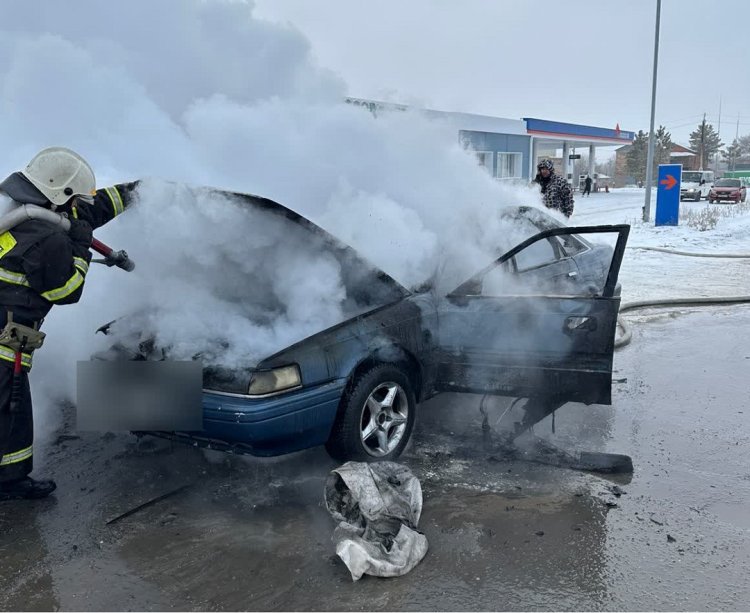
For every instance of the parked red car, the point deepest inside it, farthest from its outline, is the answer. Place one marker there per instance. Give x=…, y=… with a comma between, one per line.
x=728, y=189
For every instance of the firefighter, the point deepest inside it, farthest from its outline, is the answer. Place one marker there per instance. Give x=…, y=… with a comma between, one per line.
x=42, y=265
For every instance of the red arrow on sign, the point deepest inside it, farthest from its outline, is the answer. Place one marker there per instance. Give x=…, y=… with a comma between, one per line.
x=670, y=182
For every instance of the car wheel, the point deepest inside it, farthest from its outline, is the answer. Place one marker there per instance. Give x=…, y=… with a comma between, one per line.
x=375, y=418
x=698, y=197
x=711, y=201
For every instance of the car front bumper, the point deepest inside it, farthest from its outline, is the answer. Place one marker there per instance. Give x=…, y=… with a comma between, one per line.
x=270, y=426
x=725, y=196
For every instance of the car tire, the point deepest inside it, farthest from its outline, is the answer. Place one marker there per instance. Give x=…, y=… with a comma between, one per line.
x=698, y=197
x=370, y=426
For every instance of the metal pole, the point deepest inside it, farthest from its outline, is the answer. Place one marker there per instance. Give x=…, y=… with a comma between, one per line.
x=650, y=158
x=718, y=131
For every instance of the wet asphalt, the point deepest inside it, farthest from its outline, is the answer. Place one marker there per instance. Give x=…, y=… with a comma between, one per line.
x=253, y=534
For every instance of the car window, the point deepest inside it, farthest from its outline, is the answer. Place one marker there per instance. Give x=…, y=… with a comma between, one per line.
x=537, y=254
x=586, y=274
x=562, y=263
x=728, y=183
x=539, y=268
x=571, y=245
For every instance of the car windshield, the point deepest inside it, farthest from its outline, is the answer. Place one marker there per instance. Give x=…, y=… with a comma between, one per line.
x=691, y=177
x=728, y=183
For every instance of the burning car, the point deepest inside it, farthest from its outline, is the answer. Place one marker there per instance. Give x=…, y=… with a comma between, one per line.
x=538, y=322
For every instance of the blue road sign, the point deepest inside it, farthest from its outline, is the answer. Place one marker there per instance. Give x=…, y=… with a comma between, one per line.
x=668, y=194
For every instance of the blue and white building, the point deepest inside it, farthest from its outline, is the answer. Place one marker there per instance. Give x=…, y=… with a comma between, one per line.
x=510, y=148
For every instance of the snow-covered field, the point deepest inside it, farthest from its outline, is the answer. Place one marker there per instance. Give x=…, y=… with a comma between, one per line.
x=651, y=275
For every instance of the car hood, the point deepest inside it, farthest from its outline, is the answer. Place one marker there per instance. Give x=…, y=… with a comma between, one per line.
x=258, y=298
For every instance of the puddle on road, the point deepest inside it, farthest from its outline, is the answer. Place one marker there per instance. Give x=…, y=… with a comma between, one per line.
x=225, y=547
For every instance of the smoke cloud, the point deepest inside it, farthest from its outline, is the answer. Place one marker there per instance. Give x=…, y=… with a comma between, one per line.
x=195, y=93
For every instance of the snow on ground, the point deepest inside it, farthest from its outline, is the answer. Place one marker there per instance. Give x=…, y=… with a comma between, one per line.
x=651, y=275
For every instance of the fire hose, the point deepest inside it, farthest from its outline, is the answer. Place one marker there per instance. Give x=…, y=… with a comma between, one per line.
x=627, y=333
x=31, y=211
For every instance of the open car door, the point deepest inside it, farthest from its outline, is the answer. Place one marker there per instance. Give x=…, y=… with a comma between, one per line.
x=538, y=321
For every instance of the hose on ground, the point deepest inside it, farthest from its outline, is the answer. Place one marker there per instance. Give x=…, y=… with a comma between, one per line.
x=627, y=333
x=693, y=254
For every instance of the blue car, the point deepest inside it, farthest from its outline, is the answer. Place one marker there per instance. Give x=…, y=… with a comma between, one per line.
x=538, y=322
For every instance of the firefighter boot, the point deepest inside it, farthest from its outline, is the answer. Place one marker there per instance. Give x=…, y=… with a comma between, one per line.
x=26, y=488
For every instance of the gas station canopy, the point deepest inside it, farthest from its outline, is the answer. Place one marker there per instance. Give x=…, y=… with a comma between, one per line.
x=555, y=133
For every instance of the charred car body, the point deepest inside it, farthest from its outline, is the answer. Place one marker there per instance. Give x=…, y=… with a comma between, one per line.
x=538, y=322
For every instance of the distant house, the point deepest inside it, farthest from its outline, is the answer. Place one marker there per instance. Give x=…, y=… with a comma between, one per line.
x=679, y=155
x=687, y=157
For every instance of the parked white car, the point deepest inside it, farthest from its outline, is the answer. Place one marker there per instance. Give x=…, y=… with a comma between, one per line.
x=696, y=184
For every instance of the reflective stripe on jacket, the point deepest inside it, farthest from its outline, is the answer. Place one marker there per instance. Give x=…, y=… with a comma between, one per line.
x=17, y=456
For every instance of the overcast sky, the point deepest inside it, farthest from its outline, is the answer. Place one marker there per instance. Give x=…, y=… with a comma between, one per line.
x=580, y=61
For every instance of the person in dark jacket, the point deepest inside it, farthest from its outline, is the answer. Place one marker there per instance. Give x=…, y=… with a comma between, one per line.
x=556, y=191
x=587, y=186
x=42, y=265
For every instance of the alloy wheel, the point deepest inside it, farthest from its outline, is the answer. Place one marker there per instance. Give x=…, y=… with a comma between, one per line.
x=384, y=419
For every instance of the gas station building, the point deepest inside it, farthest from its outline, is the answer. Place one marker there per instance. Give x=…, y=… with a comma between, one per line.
x=509, y=149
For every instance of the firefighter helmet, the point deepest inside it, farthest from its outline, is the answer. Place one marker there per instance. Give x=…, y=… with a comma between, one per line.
x=59, y=174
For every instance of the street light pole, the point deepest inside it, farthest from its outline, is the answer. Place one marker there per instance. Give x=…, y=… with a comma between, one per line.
x=650, y=157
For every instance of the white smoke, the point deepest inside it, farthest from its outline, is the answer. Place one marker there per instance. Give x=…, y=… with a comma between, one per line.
x=204, y=93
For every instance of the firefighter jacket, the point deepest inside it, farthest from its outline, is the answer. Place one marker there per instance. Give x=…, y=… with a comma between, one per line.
x=40, y=264
x=108, y=203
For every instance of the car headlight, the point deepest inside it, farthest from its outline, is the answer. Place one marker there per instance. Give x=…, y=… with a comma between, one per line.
x=692, y=189
x=265, y=382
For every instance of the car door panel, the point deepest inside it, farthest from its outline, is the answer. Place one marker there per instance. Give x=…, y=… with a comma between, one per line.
x=558, y=343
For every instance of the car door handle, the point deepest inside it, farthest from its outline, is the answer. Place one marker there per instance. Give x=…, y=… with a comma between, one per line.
x=580, y=323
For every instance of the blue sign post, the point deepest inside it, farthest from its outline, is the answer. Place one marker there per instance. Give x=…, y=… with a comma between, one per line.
x=668, y=194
